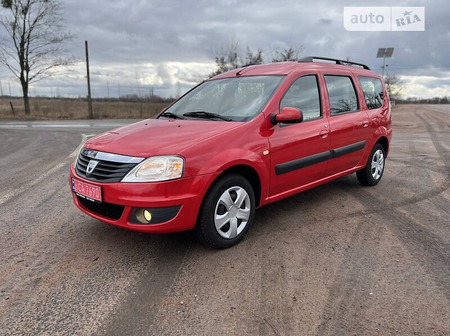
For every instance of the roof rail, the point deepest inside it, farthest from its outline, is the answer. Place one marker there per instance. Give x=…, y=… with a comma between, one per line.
x=337, y=61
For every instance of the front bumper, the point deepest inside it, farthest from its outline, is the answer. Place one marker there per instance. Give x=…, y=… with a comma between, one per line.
x=173, y=205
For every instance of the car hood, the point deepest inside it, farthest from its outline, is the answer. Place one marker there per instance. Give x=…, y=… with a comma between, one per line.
x=158, y=136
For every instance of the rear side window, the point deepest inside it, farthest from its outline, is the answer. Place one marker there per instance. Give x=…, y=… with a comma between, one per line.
x=373, y=91
x=304, y=95
x=342, y=94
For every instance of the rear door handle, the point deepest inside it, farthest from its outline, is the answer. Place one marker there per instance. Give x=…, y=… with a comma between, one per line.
x=365, y=123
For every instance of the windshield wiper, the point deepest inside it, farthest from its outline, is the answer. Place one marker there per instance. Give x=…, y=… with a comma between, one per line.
x=170, y=115
x=206, y=115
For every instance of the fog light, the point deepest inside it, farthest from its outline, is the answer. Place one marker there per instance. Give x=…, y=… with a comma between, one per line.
x=147, y=215
x=151, y=216
x=143, y=216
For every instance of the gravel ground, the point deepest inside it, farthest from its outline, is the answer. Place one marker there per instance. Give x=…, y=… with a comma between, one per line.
x=337, y=260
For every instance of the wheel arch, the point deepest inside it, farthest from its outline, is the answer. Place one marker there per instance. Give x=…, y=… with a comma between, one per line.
x=383, y=141
x=248, y=173
x=206, y=231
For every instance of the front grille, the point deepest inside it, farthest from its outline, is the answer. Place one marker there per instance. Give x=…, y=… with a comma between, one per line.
x=110, y=167
x=109, y=210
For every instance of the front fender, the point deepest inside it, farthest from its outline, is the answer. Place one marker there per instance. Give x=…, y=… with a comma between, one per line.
x=258, y=161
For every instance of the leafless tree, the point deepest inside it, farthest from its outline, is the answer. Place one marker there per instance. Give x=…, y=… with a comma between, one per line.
x=287, y=54
x=394, y=86
x=34, y=42
x=231, y=58
x=253, y=57
x=228, y=59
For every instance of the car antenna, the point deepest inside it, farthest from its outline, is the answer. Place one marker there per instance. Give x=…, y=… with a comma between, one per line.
x=244, y=67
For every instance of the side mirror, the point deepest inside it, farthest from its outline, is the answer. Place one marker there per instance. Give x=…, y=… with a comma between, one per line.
x=288, y=115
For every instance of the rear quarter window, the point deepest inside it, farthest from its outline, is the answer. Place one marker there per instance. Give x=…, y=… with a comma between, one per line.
x=341, y=94
x=373, y=91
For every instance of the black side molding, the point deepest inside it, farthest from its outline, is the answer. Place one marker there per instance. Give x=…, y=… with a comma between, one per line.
x=300, y=163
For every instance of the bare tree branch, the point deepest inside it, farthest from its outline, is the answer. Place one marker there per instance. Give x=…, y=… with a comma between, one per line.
x=34, y=41
x=287, y=54
x=231, y=58
x=394, y=86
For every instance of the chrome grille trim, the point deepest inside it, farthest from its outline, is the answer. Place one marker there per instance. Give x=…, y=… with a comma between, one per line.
x=110, y=167
x=118, y=158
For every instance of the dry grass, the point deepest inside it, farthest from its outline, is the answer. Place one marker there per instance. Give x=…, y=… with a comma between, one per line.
x=49, y=109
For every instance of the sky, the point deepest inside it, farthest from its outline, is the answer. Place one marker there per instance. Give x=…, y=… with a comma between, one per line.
x=165, y=47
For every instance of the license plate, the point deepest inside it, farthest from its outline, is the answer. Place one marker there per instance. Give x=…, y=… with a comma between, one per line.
x=87, y=190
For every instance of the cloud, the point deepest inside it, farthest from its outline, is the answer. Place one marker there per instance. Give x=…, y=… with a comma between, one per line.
x=167, y=79
x=170, y=45
x=425, y=87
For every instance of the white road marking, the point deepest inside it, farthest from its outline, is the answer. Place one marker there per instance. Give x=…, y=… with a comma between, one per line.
x=6, y=197
x=24, y=187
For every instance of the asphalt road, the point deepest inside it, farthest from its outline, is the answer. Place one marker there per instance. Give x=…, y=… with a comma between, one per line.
x=337, y=260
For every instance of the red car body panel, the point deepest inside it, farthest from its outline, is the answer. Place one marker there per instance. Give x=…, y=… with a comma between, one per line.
x=262, y=149
x=164, y=136
x=156, y=195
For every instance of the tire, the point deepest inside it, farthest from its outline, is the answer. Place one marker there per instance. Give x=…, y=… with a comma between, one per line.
x=371, y=174
x=227, y=212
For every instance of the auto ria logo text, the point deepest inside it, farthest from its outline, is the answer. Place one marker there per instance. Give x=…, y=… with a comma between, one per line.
x=384, y=18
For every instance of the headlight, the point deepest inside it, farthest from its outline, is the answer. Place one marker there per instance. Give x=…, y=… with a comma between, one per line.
x=156, y=168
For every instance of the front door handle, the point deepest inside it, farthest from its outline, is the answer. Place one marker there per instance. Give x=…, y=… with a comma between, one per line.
x=324, y=133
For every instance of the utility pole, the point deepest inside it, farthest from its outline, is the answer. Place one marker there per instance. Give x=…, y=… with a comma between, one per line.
x=91, y=113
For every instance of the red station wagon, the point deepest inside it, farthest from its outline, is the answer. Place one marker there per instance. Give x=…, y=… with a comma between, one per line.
x=236, y=142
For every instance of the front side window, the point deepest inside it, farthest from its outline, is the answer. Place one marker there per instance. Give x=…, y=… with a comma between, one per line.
x=234, y=98
x=342, y=94
x=304, y=95
x=373, y=91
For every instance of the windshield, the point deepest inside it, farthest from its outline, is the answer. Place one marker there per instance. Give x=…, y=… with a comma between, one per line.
x=227, y=99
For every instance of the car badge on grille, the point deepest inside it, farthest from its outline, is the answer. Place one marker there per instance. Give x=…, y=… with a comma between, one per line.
x=91, y=166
